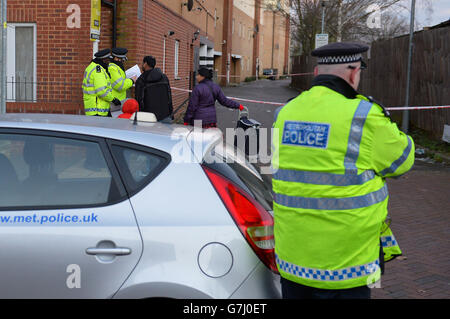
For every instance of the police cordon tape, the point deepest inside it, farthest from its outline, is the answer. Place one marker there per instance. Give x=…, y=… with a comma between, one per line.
x=298, y=74
x=401, y=108
x=287, y=75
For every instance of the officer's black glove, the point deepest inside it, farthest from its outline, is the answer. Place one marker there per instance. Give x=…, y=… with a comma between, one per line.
x=116, y=102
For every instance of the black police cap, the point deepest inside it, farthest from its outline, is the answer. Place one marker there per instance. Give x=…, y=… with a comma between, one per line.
x=339, y=52
x=119, y=52
x=102, y=54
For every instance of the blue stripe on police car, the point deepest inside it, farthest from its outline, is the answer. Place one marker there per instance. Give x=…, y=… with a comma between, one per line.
x=306, y=134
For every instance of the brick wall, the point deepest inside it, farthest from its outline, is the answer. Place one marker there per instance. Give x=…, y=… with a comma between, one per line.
x=152, y=30
x=242, y=44
x=279, y=28
x=62, y=53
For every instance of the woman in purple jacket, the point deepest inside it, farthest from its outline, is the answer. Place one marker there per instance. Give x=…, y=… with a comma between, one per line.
x=202, y=102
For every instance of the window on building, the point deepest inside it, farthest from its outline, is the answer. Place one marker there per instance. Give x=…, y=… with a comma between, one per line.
x=232, y=27
x=177, y=51
x=21, y=62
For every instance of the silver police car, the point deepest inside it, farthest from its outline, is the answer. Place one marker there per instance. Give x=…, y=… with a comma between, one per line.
x=112, y=208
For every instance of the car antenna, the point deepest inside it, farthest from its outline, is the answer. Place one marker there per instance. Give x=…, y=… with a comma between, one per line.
x=135, y=118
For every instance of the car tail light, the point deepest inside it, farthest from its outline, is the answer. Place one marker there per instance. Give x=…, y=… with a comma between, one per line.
x=254, y=222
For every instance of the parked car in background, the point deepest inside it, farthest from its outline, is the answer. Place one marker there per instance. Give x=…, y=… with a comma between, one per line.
x=111, y=208
x=271, y=73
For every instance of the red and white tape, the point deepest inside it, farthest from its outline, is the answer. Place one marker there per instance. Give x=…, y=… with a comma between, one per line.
x=231, y=76
x=288, y=75
x=298, y=74
x=236, y=98
x=402, y=108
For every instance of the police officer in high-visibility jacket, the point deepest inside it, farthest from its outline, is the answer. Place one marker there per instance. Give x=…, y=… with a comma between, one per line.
x=334, y=151
x=97, y=91
x=119, y=82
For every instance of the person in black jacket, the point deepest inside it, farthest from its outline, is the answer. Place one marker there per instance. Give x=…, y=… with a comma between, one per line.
x=153, y=91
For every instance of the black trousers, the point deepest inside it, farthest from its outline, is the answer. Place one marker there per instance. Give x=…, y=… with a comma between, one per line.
x=293, y=290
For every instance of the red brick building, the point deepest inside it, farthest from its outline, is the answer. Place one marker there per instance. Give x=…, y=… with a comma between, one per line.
x=49, y=44
x=48, y=48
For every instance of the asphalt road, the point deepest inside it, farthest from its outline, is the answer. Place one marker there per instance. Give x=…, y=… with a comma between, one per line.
x=262, y=90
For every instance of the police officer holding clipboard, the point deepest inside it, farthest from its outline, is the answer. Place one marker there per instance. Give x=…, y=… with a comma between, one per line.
x=335, y=149
x=96, y=86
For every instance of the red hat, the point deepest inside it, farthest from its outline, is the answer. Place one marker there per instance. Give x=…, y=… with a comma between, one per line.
x=130, y=106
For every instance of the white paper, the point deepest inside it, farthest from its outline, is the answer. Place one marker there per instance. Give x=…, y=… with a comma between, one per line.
x=134, y=71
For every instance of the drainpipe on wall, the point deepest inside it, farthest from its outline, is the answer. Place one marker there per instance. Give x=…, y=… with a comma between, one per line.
x=164, y=54
x=3, y=59
x=273, y=37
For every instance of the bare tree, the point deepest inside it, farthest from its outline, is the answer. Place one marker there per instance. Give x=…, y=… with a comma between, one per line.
x=392, y=25
x=344, y=20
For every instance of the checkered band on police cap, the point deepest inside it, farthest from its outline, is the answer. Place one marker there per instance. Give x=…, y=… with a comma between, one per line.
x=339, y=52
x=339, y=59
x=119, y=52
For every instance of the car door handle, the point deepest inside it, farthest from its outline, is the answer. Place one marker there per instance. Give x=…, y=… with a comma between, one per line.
x=118, y=251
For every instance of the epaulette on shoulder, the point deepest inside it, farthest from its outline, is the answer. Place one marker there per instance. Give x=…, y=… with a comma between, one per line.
x=99, y=69
x=385, y=112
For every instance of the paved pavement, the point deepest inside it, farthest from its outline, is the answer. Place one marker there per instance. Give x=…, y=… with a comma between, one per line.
x=419, y=206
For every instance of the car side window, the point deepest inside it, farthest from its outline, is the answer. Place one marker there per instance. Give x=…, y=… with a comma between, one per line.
x=44, y=171
x=138, y=166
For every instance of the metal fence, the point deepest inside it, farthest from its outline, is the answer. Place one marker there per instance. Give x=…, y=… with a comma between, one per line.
x=25, y=95
x=23, y=89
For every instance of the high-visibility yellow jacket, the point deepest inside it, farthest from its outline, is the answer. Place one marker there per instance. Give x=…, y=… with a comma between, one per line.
x=97, y=91
x=119, y=82
x=330, y=160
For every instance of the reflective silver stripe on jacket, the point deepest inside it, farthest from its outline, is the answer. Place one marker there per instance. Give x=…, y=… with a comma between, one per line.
x=117, y=82
x=97, y=91
x=100, y=89
x=121, y=87
x=318, y=178
x=106, y=93
x=354, y=139
x=326, y=274
x=324, y=203
x=87, y=78
x=396, y=164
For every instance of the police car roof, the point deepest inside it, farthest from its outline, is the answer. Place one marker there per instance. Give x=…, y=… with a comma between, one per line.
x=158, y=135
